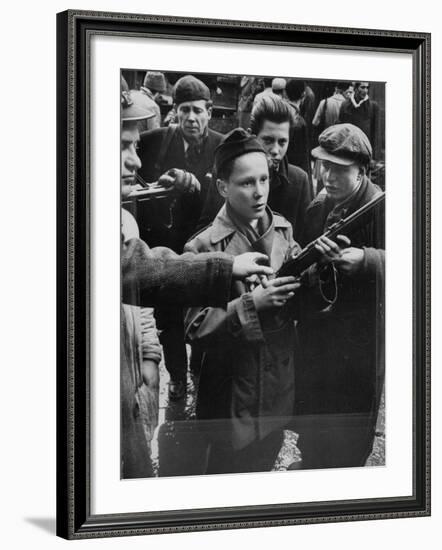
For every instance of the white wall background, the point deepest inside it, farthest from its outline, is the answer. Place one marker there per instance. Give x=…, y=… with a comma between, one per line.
x=27, y=387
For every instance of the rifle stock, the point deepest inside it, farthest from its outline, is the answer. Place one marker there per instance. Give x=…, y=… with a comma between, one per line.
x=347, y=226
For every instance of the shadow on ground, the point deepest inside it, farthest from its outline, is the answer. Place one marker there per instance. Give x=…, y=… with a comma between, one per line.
x=46, y=524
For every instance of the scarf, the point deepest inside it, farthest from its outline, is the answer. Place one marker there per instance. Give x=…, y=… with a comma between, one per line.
x=357, y=105
x=259, y=238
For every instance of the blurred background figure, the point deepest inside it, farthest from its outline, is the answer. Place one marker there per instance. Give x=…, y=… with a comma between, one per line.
x=250, y=86
x=278, y=86
x=363, y=112
x=154, y=85
x=349, y=91
x=298, y=152
x=328, y=109
x=326, y=115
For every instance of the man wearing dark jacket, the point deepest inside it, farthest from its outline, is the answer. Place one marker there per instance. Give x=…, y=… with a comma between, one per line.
x=290, y=192
x=340, y=383
x=188, y=146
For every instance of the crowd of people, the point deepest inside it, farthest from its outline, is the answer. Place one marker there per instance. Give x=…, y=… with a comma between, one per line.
x=270, y=352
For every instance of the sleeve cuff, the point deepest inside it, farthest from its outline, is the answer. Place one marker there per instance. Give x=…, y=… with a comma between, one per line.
x=244, y=320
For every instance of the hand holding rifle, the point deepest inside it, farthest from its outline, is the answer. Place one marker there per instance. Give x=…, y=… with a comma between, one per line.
x=347, y=259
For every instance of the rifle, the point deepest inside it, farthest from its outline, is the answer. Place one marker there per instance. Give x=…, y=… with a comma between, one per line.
x=347, y=226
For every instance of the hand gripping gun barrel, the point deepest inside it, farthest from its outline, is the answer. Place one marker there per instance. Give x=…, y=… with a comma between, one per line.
x=347, y=226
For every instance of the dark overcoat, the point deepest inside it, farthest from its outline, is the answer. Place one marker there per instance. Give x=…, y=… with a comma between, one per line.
x=343, y=345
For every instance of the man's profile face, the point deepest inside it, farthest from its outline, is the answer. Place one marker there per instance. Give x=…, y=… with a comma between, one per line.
x=274, y=138
x=362, y=90
x=193, y=118
x=130, y=161
x=340, y=181
x=247, y=187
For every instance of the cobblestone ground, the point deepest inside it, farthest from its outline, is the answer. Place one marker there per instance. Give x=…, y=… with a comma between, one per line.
x=176, y=438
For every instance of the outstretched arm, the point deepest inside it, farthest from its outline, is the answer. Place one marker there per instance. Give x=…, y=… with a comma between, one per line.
x=158, y=276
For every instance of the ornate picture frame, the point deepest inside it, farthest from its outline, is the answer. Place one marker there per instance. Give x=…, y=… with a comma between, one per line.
x=75, y=516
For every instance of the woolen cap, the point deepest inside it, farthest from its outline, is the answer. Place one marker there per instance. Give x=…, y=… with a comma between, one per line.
x=344, y=144
x=278, y=84
x=189, y=88
x=238, y=142
x=133, y=108
x=155, y=81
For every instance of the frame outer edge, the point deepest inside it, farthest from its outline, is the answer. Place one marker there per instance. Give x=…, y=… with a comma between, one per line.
x=71, y=520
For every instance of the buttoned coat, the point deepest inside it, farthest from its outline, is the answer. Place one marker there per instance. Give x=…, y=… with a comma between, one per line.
x=247, y=375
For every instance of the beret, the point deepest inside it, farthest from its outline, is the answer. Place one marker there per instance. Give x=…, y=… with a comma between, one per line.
x=343, y=144
x=189, y=88
x=133, y=108
x=238, y=142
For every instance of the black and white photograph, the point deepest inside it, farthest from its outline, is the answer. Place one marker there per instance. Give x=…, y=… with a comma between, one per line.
x=252, y=273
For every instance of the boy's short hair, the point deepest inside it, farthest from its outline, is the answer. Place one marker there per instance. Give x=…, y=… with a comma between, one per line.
x=272, y=108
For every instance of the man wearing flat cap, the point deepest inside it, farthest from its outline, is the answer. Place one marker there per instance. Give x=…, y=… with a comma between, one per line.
x=246, y=393
x=340, y=383
x=179, y=151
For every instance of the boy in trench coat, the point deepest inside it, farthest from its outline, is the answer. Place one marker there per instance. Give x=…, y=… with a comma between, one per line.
x=246, y=391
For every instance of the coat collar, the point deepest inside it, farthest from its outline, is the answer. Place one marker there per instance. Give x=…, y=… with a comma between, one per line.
x=223, y=227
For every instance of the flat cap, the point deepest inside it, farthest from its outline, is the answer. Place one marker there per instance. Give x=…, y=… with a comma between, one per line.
x=189, y=88
x=155, y=81
x=133, y=108
x=238, y=142
x=343, y=144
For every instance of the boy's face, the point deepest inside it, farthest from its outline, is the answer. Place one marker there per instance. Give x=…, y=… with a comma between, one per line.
x=340, y=181
x=274, y=138
x=130, y=161
x=247, y=188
